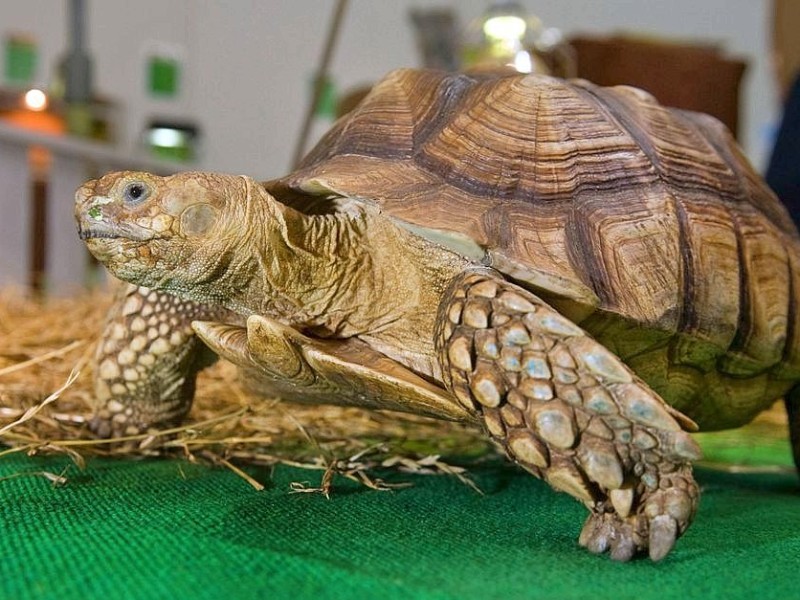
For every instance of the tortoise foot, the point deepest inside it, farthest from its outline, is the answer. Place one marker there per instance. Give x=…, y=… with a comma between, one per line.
x=651, y=526
x=105, y=424
x=568, y=410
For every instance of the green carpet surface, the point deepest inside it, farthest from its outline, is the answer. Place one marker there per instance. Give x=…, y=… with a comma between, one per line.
x=170, y=529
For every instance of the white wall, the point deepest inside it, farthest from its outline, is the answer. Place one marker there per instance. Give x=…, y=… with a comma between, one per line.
x=249, y=62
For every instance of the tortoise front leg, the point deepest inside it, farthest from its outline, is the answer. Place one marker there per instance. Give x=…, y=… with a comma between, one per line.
x=147, y=361
x=570, y=411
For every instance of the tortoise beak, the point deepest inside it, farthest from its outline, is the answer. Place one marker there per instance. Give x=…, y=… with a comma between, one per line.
x=89, y=215
x=89, y=230
x=99, y=217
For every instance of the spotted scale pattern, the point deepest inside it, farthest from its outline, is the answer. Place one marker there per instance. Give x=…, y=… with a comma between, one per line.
x=570, y=412
x=146, y=361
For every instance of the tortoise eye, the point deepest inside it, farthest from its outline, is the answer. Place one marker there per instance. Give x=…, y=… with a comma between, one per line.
x=136, y=192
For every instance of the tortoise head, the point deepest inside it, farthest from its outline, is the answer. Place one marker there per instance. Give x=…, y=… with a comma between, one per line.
x=174, y=233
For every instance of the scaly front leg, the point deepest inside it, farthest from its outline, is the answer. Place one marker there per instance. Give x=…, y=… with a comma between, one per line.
x=570, y=411
x=147, y=361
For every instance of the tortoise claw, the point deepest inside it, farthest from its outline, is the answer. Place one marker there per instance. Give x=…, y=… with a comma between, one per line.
x=623, y=549
x=101, y=428
x=663, y=533
x=596, y=536
x=604, y=532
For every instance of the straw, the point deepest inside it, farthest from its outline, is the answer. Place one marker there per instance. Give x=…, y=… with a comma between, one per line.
x=46, y=404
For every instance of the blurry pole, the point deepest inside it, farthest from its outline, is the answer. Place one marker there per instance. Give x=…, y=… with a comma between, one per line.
x=320, y=79
x=78, y=73
x=78, y=65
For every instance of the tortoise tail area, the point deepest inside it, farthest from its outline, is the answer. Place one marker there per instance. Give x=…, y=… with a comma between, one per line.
x=792, y=400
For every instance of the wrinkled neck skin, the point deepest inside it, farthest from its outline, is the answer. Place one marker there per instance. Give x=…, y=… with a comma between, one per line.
x=339, y=275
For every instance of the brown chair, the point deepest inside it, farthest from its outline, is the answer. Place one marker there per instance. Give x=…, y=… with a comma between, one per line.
x=694, y=77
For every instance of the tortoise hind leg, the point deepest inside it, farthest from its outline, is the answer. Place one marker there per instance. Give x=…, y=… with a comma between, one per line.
x=571, y=412
x=792, y=401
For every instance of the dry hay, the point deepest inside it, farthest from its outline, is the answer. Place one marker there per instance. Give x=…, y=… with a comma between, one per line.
x=46, y=398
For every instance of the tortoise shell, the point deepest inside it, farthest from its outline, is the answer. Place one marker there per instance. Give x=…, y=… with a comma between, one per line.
x=645, y=224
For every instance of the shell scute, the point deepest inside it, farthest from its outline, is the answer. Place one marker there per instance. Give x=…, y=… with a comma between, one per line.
x=599, y=199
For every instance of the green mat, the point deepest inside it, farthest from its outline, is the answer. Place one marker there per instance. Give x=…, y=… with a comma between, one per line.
x=169, y=529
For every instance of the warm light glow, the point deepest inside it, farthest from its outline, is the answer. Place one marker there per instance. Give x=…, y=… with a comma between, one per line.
x=505, y=27
x=35, y=100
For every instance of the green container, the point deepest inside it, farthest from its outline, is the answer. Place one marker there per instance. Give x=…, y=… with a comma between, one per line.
x=163, y=76
x=20, y=60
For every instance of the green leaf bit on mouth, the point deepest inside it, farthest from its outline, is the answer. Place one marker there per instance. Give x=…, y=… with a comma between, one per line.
x=95, y=213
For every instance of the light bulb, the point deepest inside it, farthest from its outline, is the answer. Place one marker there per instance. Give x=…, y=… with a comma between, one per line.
x=35, y=100
x=505, y=27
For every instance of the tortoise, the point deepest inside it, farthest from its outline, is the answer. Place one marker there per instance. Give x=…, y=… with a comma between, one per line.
x=584, y=273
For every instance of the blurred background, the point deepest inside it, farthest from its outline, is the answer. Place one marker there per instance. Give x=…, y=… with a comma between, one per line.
x=247, y=86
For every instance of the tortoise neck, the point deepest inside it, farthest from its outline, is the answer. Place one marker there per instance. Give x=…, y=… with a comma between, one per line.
x=350, y=273
x=306, y=270
x=317, y=265
x=359, y=274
